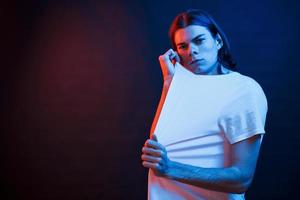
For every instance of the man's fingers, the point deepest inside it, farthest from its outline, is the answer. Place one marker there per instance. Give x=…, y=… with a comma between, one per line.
x=169, y=54
x=166, y=64
x=177, y=58
x=154, y=144
x=152, y=159
x=174, y=55
x=150, y=165
x=151, y=151
x=153, y=137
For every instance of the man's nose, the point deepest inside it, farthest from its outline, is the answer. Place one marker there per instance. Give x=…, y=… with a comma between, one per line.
x=192, y=50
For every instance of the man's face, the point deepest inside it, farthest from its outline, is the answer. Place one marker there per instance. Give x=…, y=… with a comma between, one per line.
x=197, y=48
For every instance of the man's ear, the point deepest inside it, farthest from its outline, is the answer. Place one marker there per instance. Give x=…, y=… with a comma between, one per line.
x=219, y=41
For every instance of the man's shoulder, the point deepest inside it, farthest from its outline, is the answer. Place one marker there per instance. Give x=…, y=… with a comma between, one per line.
x=247, y=81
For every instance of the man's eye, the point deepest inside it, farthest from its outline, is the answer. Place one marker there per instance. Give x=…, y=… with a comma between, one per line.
x=199, y=41
x=182, y=47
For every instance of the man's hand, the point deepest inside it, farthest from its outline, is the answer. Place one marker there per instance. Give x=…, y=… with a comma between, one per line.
x=167, y=62
x=155, y=156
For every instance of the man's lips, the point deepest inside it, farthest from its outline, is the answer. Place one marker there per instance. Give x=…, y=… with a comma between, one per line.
x=194, y=61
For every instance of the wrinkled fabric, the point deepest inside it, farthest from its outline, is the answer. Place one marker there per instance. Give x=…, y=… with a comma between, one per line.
x=201, y=117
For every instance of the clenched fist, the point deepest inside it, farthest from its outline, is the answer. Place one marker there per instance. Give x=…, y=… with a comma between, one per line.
x=155, y=157
x=167, y=62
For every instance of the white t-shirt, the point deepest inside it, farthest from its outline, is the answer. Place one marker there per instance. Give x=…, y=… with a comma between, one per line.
x=201, y=117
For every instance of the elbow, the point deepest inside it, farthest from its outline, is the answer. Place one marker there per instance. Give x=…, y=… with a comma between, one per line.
x=242, y=187
x=243, y=184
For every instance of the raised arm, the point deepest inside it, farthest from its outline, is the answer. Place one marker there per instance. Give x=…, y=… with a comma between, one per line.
x=166, y=61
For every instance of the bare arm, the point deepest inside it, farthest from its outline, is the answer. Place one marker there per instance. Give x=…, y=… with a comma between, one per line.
x=234, y=179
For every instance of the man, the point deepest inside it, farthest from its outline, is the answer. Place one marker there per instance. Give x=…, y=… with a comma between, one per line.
x=215, y=154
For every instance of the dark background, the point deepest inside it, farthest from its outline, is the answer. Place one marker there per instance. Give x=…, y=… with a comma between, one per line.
x=80, y=82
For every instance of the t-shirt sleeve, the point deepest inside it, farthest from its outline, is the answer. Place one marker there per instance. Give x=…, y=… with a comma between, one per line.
x=245, y=115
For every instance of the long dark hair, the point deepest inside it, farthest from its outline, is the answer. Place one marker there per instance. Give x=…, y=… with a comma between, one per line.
x=201, y=18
